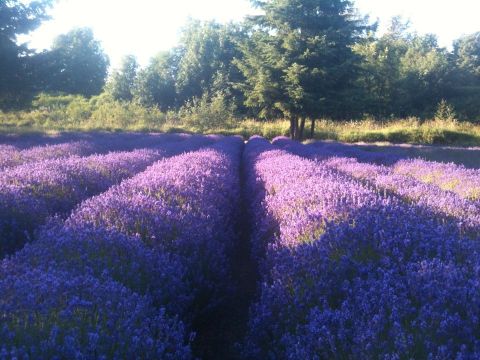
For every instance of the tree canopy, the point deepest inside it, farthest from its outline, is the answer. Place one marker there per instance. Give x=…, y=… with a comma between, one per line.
x=122, y=81
x=297, y=59
x=78, y=63
x=16, y=65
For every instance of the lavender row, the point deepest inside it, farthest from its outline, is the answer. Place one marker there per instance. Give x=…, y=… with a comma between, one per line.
x=186, y=206
x=334, y=149
x=49, y=314
x=159, y=247
x=429, y=197
x=351, y=273
x=31, y=193
x=432, y=198
x=456, y=178
x=122, y=292
x=95, y=294
x=127, y=139
x=11, y=156
x=448, y=176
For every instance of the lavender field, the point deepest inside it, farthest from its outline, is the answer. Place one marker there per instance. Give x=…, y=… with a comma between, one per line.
x=176, y=246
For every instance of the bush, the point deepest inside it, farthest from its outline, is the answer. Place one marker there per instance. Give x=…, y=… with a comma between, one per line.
x=81, y=317
x=49, y=102
x=63, y=110
x=112, y=114
x=445, y=111
x=208, y=112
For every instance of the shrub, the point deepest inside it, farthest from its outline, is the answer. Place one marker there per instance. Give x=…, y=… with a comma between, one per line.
x=445, y=111
x=208, y=112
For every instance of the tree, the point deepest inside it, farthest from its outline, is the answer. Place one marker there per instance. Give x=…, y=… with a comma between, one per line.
x=380, y=67
x=78, y=63
x=155, y=85
x=467, y=53
x=403, y=73
x=205, y=56
x=122, y=81
x=201, y=65
x=16, y=18
x=424, y=67
x=465, y=82
x=299, y=62
x=261, y=67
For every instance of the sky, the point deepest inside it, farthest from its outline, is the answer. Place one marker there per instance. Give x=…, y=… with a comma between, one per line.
x=145, y=27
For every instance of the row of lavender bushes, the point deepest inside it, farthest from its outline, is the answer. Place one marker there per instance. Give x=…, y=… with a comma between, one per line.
x=31, y=193
x=125, y=275
x=34, y=149
x=414, y=181
x=349, y=270
x=361, y=256
x=448, y=176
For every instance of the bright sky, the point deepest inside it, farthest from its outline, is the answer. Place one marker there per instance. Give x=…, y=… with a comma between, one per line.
x=145, y=27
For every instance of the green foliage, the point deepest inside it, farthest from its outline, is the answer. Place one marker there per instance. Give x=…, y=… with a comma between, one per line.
x=105, y=114
x=296, y=60
x=122, y=82
x=204, y=54
x=115, y=115
x=155, y=85
x=51, y=102
x=299, y=61
x=201, y=64
x=61, y=112
x=467, y=53
x=402, y=73
x=208, y=113
x=445, y=111
x=260, y=65
x=16, y=60
x=78, y=64
x=216, y=114
x=464, y=82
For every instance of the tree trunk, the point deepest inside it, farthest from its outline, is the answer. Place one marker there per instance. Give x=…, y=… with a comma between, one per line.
x=312, y=129
x=302, y=128
x=295, y=135
x=292, y=128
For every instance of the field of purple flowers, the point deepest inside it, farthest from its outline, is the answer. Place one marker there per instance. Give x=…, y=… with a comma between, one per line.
x=127, y=246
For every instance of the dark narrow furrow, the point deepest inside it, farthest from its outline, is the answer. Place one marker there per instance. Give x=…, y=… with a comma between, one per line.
x=220, y=330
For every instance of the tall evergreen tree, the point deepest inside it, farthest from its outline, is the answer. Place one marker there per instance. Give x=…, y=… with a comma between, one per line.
x=299, y=60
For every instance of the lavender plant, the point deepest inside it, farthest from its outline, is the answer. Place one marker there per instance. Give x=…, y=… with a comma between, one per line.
x=48, y=314
x=348, y=272
x=31, y=193
x=184, y=205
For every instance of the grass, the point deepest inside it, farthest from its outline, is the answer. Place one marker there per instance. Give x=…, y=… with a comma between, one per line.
x=409, y=131
x=113, y=116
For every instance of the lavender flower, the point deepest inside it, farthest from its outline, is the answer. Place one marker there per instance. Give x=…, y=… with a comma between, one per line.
x=106, y=254
x=348, y=271
x=55, y=186
x=465, y=182
x=185, y=205
x=49, y=315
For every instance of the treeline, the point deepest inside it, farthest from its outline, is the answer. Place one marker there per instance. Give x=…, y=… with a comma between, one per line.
x=299, y=59
x=75, y=64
